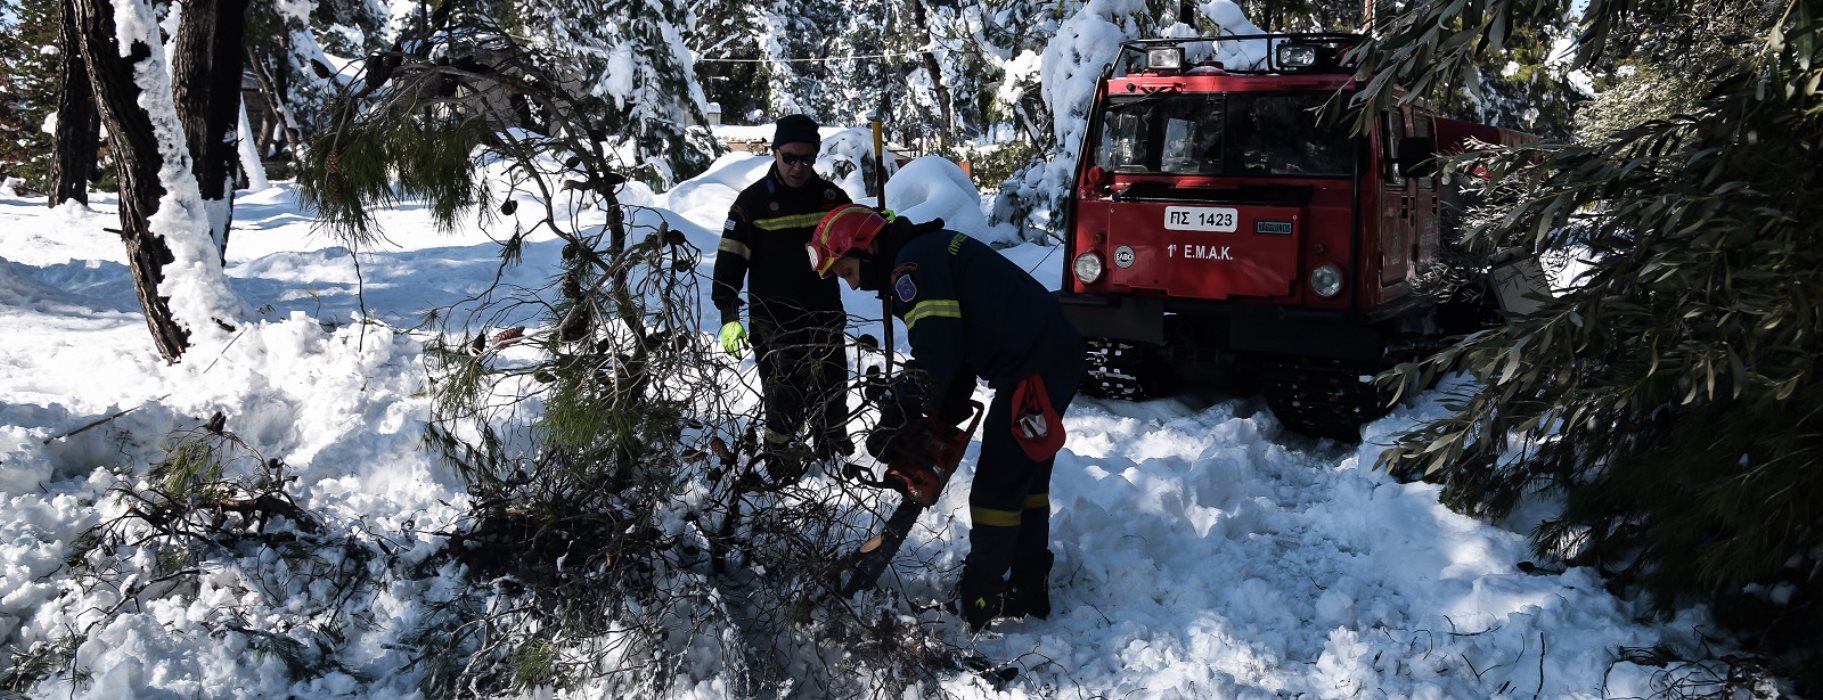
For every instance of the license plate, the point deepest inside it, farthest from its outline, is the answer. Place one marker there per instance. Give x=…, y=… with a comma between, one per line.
x=1219, y=219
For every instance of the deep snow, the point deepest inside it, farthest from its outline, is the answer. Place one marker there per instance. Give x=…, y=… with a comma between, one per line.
x=1203, y=552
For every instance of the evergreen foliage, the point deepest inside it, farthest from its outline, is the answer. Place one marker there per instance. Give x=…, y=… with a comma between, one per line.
x=729, y=62
x=295, y=74
x=1526, y=86
x=618, y=514
x=631, y=55
x=1671, y=397
x=1668, y=66
x=1305, y=15
x=349, y=27
x=795, y=37
x=28, y=89
x=215, y=515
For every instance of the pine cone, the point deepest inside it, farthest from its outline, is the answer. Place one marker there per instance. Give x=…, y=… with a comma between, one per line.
x=572, y=284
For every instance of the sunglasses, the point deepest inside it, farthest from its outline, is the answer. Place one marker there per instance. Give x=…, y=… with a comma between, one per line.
x=789, y=159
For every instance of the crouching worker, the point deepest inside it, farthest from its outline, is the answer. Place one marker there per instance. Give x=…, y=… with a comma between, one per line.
x=972, y=313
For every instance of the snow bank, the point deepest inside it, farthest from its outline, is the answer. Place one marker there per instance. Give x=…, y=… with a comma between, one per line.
x=934, y=187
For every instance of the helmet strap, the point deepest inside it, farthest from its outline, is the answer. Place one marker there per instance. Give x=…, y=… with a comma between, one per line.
x=875, y=273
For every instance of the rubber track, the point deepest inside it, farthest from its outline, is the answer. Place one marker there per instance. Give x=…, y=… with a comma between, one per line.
x=1322, y=398
x=1117, y=370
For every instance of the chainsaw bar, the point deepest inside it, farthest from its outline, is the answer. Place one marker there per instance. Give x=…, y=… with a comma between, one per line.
x=864, y=567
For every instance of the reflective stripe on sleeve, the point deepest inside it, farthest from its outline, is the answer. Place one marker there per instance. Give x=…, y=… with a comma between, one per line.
x=937, y=308
x=735, y=247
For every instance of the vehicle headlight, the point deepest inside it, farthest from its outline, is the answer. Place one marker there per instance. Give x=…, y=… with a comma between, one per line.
x=1297, y=55
x=1088, y=268
x=1167, y=58
x=1326, y=280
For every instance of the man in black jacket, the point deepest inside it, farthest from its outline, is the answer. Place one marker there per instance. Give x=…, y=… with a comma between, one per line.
x=969, y=312
x=797, y=319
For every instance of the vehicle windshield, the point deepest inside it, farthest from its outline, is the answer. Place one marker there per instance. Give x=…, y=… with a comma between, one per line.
x=1235, y=134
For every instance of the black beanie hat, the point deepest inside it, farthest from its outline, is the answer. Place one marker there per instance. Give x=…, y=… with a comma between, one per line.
x=796, y=128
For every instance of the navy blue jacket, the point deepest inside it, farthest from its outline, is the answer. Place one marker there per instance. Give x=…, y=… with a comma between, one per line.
x=969, y=310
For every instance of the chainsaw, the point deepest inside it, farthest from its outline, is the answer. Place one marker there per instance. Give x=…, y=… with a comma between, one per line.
x=919, y=464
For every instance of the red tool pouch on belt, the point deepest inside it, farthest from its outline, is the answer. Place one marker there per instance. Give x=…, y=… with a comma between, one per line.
x=1036, y=425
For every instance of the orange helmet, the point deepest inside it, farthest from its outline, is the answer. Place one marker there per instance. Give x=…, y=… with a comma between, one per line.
x=842, y=231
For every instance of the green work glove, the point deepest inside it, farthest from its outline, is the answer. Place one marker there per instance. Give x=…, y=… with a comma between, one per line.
x=733, y=337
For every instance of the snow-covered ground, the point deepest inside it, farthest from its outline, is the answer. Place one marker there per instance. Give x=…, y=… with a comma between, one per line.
x=1202, y=552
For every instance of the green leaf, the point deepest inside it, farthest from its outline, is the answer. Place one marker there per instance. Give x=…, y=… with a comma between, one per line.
x=1512, y=366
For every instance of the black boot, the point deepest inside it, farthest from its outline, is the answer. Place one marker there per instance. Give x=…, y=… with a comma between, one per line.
x=785, y=461
x=979, y=599
x=1027, y=593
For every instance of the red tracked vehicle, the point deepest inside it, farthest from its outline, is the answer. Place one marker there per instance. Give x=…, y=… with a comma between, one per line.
x=1220, y=232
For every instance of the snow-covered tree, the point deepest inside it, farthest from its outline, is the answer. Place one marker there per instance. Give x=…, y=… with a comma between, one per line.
x=78, y=130
x=866, y=68
x=206, y=79
x=798, y=41
x=176, y=266
x=1073, y=61
x=1665, y=70
x=1305, y=15
x=631, y=54
x=727, y=47
x=295, y=75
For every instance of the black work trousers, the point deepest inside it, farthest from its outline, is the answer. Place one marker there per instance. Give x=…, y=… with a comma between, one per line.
x=803, y=376
x=1009, y=499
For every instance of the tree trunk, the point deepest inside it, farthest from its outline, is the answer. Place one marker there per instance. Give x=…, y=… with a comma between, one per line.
x=273, y=89
x=78, y=126
x=136, y=165
x=936, y=79
x=206, y=78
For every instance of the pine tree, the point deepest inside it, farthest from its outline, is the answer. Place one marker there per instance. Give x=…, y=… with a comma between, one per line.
x=1672, y=399
x=162, y=221
x=867, y=74
x=631, y=54
x=727, y=45
x=1667, y=68
x=797, y=33
x=351, y=27
x=1305, y=15
x=29, y=53
x=76, y=160
x=1524, y=87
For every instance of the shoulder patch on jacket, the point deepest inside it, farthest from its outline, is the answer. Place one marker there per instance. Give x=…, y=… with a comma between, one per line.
x=729, y=224
x=905, y=288
x=830, y=193
x=955, y=244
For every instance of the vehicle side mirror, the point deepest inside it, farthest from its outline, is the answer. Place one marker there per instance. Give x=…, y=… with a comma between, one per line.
x=1417, y=156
